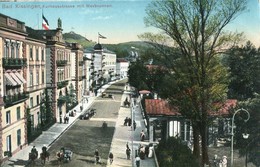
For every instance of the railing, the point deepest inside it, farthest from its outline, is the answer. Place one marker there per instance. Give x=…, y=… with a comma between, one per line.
x=14, y=62
x=81, y=63
x=62, y=84
x=61, y=62
x=14, y=99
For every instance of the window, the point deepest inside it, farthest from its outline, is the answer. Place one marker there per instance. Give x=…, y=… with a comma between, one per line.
x=31, y=78
x=32, y=120
x=42, y=55
x=42, y=76
x=8, y=117
x=31, y=102
x=17, y=50
x=12, y=51
x=37, y=54
x=18, y=113
x=37, y=78
x=6, y=50
x=31, y=53
x=18, y=137
x=8, y=143
x=38, y=99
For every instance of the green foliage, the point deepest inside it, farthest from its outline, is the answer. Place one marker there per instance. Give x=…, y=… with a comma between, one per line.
x=137, y=75
x=197, y=29
x=174, y=153
x=252, y=144
x=244, y=67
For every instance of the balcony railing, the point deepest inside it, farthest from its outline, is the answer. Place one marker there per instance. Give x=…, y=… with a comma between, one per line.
x=81, y=63
x=61, y=62
x=10, y=100
x=14, y=62
x=62, y=84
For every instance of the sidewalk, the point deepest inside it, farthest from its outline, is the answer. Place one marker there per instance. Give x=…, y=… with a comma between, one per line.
x=123, y=134
x=48, y=137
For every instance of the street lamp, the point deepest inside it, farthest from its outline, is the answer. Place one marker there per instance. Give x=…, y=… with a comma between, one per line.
x=232, y=132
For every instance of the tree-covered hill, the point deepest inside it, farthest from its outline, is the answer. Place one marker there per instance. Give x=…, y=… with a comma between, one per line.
x=121, y=49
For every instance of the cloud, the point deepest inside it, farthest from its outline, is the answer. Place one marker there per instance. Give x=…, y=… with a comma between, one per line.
x=102, y=18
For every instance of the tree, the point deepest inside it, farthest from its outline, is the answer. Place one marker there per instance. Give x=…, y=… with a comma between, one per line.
x=197, y=29
x=137, y=74
x=173, y=152
x=250, y=146
x=244, y=66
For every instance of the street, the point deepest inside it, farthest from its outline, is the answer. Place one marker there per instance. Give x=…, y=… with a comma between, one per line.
x=84, y=136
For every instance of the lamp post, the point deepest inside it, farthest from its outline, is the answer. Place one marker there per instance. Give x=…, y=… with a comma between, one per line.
x=232, y=132
x=245, y=136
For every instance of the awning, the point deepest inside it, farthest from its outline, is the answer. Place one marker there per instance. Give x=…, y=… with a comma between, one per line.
x=10, y=80
x=20, y=77
x=17, y=80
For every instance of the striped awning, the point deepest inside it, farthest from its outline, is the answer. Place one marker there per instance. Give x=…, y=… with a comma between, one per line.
x=17, y=80
x=20, y=77
x=10, y=80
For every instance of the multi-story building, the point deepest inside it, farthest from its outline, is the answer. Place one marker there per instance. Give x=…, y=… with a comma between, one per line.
x=31, y=62
x=77, y=73
x=122, y=66
x=35, y=76
x=13, y=93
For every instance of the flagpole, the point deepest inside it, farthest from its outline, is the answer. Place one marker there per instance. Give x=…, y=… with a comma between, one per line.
x=98, y=37
x=38, y=21
x=42, y=19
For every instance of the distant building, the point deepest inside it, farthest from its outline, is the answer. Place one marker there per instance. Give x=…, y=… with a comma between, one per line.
x=103, y=66
x=122, y=66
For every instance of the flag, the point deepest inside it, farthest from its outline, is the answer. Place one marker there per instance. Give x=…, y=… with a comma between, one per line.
x=45, y=23
x=101, y=36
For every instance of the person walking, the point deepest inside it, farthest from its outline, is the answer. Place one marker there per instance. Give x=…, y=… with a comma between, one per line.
x=111, y=157
x=142, y=135
x=137, y=161
x=128, y=152
x=134, y=125
x=224, y=161
x=97, y=158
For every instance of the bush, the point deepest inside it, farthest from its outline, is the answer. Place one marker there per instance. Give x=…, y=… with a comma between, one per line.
x=173, y=153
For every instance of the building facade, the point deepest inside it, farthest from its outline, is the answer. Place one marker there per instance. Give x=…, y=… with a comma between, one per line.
x=13, y=93
x=35, y=64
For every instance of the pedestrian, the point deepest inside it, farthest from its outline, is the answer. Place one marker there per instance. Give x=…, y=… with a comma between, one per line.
x=147, y=150
x=216, y=161
x=129, y=121
x=125, y=121
x=134, y=125
x=127, y=146
x=111, y=157
x=128, y=152
x=97, y=158
x=137, y=161
x=224, y=161
x=64, y=119
x=142, y=135
x=34, y=151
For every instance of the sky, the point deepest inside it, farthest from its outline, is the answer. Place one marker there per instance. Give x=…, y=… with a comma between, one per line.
x=118, y=20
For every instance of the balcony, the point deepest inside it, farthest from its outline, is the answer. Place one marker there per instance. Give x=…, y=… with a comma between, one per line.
x=61, y=62
x=81, y=63
x=62, y=84
x=14, y=63
x=15, y=99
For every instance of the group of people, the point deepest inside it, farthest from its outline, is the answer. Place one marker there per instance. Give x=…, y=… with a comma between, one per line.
x=98, y=157
x=44, y=155
x=66, y=119
x=127, y=121
x=220, y=162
